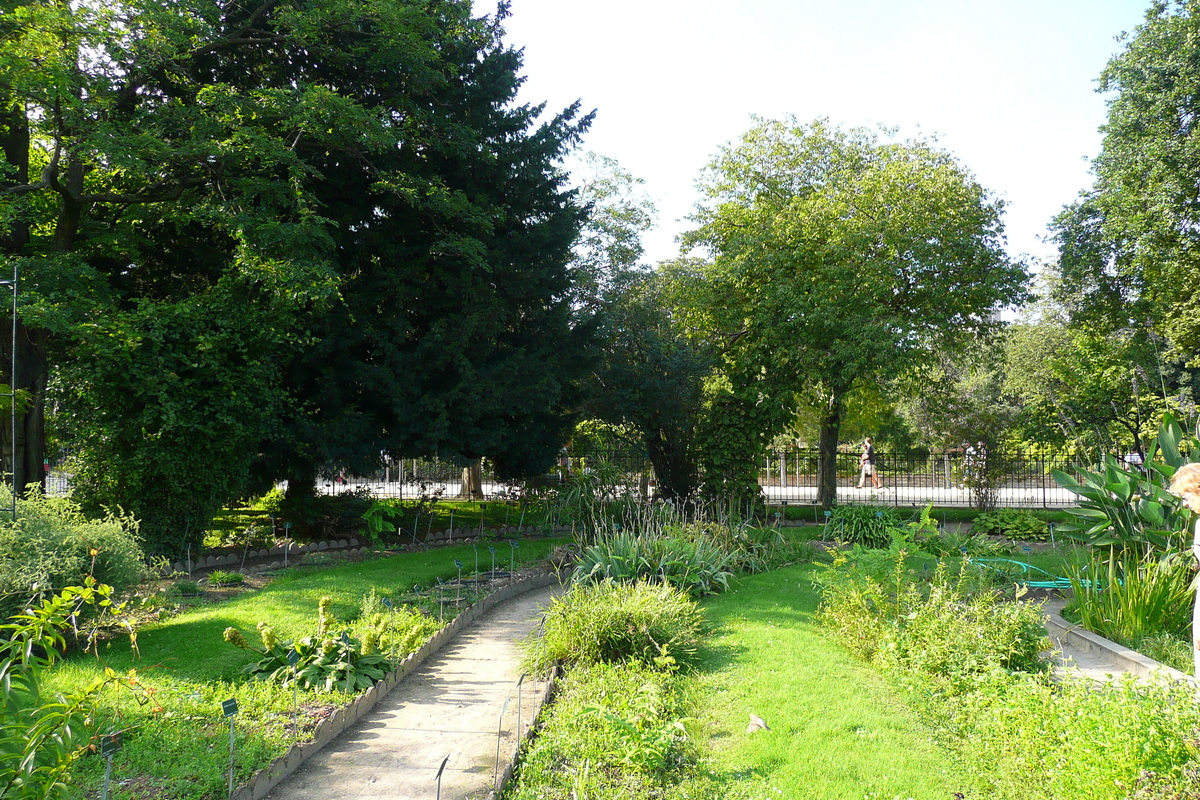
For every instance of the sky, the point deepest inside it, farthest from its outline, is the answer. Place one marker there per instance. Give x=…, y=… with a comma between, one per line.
x=1008, y=87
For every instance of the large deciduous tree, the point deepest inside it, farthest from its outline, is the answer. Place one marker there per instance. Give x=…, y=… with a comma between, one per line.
x=841, y=257
x=1130, y=247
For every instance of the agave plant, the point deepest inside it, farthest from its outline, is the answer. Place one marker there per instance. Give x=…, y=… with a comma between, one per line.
x=1126, y=509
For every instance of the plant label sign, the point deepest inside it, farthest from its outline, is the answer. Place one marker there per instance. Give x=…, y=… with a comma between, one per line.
x=229, y=706
x=110, y=744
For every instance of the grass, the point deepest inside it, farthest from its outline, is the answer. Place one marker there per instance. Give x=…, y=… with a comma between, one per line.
x=838, y=729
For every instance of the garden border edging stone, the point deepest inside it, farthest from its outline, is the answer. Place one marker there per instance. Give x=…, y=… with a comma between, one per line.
x=267, y=778
x=1128, y=660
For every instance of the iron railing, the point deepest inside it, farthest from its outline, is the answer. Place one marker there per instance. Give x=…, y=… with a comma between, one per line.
x=910, y=478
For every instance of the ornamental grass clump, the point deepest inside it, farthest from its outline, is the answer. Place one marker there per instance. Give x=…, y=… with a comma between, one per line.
x=608, y=621
x=699, y=566
x=1130, y=598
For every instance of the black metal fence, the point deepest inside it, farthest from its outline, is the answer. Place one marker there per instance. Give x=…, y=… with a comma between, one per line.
x=910, y=478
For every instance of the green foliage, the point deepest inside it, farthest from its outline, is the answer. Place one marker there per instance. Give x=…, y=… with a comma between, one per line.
x=43, y=733
x=382, y=519
x=941, y=629
x=609, y=621
x=615, y=730
x=1012, y=523
x=1129, y=597
x=869, y=526
x=1023, y=736
x=392, y=632
x=697, y=567
x=53, y=545
x=1128, y=243
x=167, y=406
x=1131, y=509
x=323, y=661
x=902, y=257
x=220, y=577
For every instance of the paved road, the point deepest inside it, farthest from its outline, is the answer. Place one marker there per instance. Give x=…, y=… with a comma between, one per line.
x=449, y=706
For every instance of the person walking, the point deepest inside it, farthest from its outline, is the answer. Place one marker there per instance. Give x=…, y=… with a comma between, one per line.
x=866, y=465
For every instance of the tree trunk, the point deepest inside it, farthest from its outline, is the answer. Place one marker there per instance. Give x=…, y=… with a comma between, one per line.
x=827, y=453
x=674, y=466
x=28, y=452
x=472, y=481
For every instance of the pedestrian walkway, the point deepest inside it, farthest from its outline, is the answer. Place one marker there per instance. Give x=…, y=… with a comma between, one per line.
x=449, y=709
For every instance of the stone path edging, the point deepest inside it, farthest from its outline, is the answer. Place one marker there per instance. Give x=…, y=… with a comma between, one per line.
x=1074, y=636
x=328, y=729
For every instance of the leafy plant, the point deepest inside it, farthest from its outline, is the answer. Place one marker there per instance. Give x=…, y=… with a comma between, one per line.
x=940, y=628
x=220, y=577
x=614, y=730
x=609, y=621
x=184, y=588
x=698, y=567
x=381, y=519
x=53, y=545
x=1123, y=508
x=1128, y=597
x=43, y=733
x=323, y=661
x=394, y=631
x=1012, y=523
x=869, y=526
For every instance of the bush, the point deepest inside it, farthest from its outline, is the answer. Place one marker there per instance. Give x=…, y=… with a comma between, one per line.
x=53, y=545
x=1012, y=523
x=698, y=567
x=608, y=621
x=1025, y=736
x=870, y=526
x=940, y=629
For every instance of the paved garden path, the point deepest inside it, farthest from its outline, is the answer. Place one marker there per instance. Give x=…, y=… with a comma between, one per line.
x=450, y=706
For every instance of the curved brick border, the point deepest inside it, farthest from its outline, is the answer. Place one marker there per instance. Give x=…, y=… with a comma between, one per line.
x=328, y=729
x=1128, y=660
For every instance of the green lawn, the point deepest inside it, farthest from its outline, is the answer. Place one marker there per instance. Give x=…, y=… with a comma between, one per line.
x=838, y=730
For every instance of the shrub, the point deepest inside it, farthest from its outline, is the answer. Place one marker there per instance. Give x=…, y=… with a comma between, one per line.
x=870, y=526
x=1012, y=523
x=698, y=567
x=1025, y=736
x=53, y=545
x=940, y=629
x=609, y=621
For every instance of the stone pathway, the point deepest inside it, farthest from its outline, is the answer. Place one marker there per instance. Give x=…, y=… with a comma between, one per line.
x=448, y=708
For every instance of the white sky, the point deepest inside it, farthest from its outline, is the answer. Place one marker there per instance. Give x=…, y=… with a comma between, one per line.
x=1008, y=87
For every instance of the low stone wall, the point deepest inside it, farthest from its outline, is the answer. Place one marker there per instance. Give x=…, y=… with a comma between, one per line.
x=328, y=729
